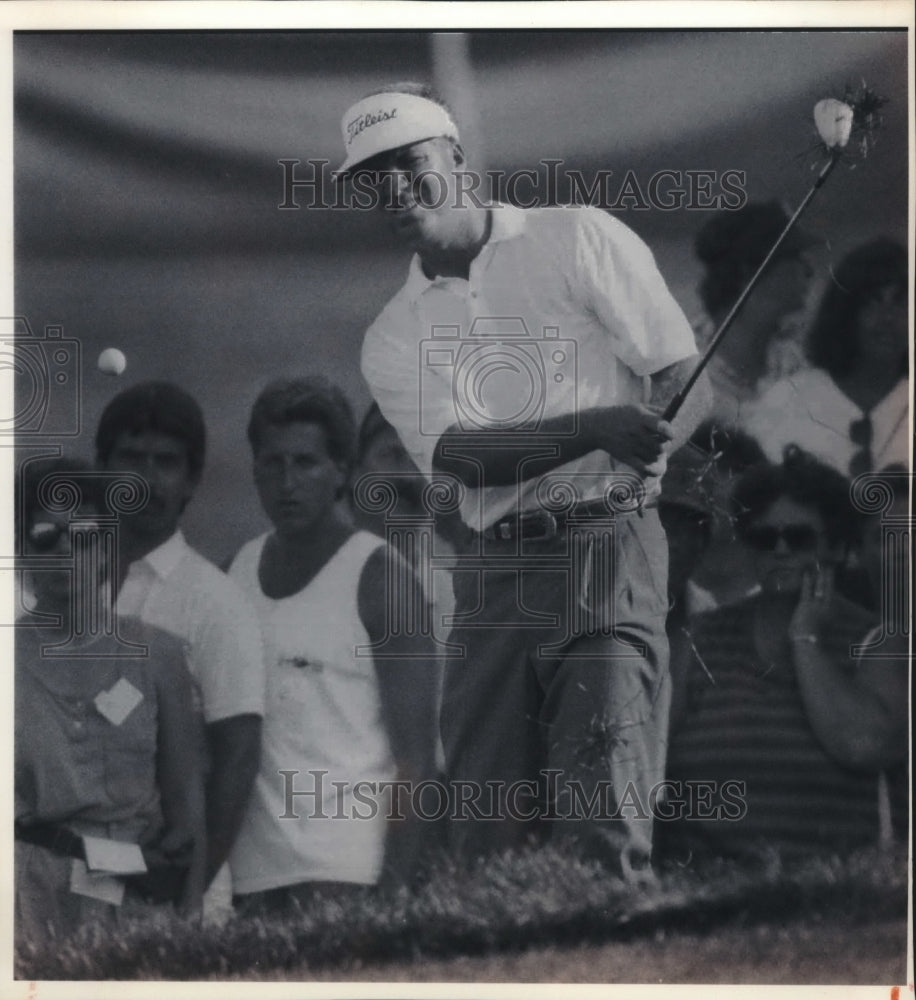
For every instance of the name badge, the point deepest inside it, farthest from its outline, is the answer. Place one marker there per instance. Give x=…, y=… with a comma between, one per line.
x=118, y=702
x=95, y=885
x=115, y=857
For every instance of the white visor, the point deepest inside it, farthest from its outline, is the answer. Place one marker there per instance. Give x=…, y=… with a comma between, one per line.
x=388, y=121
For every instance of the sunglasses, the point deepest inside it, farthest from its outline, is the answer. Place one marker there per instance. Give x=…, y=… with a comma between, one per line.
x=798, y=537
x=861, y=433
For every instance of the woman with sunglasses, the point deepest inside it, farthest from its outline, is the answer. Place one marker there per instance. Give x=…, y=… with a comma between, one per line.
x=782, y=732
x=107, y=747
x=850, y=409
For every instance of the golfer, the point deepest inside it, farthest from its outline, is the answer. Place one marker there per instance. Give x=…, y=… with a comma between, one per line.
x=528, y=355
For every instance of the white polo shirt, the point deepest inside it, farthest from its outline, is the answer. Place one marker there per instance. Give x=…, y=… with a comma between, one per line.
x=564, y=310
x=176, y=589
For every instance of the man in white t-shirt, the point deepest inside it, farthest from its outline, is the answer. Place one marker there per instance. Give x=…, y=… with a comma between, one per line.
x=528, y=356
x=156, y=430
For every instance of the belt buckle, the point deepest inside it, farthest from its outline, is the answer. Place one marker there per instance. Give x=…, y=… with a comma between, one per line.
x=500, y=531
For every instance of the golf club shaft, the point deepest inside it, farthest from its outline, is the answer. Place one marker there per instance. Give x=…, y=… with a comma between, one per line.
x=677, y=401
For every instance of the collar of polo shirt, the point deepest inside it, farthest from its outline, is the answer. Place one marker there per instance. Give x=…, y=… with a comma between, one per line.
x=508, y=222
x=388, y=121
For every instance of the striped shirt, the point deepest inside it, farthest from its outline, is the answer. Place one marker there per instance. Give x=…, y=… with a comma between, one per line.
x=745, y=722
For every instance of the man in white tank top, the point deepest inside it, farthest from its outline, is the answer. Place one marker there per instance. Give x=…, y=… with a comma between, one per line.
x=342, y=721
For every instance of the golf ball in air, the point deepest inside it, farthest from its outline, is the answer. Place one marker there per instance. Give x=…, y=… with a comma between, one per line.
x=112, y=361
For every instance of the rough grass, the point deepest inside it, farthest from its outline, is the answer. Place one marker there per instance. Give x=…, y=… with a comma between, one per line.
x=518, y=900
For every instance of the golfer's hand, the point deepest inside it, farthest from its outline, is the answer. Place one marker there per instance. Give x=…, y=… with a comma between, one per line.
x=638, y=436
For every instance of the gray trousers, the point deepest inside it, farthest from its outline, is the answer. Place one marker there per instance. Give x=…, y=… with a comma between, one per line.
x=555, y=715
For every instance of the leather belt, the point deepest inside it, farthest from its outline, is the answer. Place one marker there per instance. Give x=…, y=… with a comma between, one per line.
x=53, y=837
x=544, y=524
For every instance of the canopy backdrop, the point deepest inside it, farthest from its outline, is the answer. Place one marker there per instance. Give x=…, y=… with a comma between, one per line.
x=148, y=185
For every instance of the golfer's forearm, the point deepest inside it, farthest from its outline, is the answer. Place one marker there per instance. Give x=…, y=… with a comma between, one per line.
x=495, y=458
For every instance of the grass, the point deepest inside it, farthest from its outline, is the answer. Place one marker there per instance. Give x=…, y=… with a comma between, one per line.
x=521, y=899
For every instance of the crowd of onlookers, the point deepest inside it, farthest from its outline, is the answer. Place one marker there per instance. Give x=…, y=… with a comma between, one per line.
x=222, y=721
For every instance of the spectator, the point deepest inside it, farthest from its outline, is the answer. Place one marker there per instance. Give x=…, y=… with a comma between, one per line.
x=379, y=450
x=105, y=742
x=782, y=727
x=761, y=345
x=851, y=409
x=381, y=453
x=157, y=430
x=351, y=692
